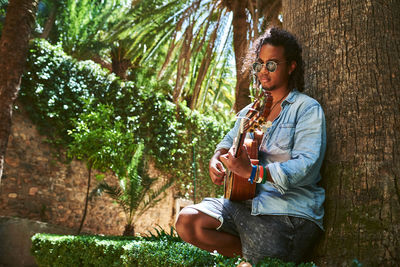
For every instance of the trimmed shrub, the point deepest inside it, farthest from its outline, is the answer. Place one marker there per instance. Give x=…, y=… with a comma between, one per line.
x=99, y=251
x=55, y=250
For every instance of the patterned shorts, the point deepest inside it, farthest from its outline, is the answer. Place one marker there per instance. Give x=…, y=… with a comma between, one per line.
x=279, y=236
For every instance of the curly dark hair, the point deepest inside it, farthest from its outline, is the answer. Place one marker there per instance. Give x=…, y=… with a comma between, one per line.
x=279, y=37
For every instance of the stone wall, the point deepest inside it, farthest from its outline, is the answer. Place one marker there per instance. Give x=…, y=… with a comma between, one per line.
x=38, y=186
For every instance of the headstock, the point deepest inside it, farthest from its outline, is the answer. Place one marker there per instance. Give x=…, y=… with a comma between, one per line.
x=257, y=114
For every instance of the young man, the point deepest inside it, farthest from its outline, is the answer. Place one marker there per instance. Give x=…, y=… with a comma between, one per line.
x=284, y=219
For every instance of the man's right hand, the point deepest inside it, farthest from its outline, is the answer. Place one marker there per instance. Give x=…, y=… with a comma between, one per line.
x=216, y=168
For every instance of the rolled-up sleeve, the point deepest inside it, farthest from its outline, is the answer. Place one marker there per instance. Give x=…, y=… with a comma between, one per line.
x=307, y=153
x=227, y=141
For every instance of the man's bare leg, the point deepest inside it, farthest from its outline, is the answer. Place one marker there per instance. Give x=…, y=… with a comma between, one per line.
x=199, y=229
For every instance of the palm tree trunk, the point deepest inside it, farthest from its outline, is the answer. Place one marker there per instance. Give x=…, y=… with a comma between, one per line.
x=119, y=63
x=352, y=57
x=13, y=51
x=240, y=46
x=120, y=67
x=87, y=197
x=129, y=230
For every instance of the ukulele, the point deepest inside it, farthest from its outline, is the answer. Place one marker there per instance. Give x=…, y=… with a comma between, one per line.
x=238, y=188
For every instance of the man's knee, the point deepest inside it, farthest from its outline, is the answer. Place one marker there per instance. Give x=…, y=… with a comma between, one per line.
x=192, y=222
x=186, y=222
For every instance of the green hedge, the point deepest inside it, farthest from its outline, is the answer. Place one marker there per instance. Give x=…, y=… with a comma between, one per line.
x=55, y=250
x=58, y=250
x=57, y=90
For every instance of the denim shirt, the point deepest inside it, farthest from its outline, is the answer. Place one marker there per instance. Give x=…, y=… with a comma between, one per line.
x=293, y=149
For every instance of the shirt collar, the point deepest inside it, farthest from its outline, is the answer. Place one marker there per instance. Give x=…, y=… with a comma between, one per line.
x=292, y=96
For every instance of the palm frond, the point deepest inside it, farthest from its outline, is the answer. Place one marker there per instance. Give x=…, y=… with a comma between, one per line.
x=160, y=232
x=183, y=63
x=152, y=197
x=114, y=192
x=173, y=44
x=209, y=55
x=82, y=23
x=221, y=71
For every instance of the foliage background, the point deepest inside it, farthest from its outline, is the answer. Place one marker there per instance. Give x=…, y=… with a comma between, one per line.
x=183, y=48
x=58, y=91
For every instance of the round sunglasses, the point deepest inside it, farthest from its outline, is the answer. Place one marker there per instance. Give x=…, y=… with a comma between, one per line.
x=270, y=65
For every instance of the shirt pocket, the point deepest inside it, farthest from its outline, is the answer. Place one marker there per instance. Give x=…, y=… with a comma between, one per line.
x=285, y=136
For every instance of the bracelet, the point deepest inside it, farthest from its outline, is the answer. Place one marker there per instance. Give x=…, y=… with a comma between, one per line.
x=257, y=178
x=265, y=175
x=261, y=174
x=257, y=172
x=253, y=173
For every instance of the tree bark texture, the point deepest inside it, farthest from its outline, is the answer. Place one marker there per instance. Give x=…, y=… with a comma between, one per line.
x=14, y=43
x=240, y=46
x=352, y=58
